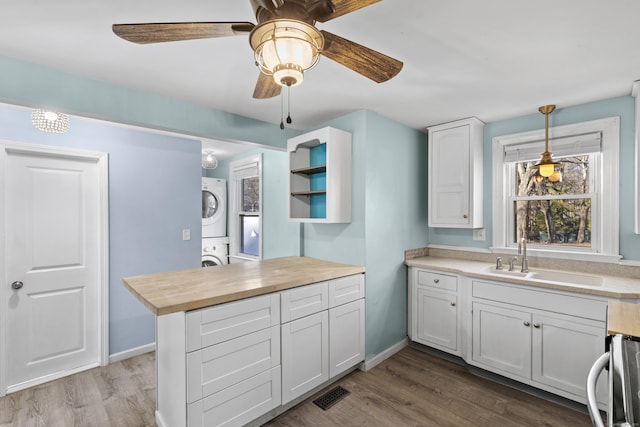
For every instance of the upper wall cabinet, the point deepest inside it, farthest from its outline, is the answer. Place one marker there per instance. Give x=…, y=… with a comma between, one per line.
x=455, y=174
x=320, y=178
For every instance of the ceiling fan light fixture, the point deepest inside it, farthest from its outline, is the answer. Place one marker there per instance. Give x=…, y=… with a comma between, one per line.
x=285, y=49
x=50, y=121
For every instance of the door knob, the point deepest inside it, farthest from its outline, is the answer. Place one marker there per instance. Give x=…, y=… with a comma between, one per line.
x=17, y=285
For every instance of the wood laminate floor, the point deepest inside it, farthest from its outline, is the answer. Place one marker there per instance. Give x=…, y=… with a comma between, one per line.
x=412, y=388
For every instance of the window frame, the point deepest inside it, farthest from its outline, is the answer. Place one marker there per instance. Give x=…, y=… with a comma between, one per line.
x=235, y=207
x=605, y=205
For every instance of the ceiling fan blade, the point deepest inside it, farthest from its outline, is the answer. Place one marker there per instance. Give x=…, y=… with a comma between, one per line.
x=368, y=62
x=266, y=87
x=342, y=7
x=169, y=32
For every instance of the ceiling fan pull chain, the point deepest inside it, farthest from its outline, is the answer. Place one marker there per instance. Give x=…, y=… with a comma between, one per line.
x=281, y=110
x=289, y=105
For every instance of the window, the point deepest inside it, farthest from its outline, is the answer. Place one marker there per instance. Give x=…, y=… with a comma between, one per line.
x=245, y=209
x=575, y=211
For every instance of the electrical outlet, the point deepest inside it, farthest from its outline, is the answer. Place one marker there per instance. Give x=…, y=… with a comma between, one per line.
x=186, y=234
x=479, y=234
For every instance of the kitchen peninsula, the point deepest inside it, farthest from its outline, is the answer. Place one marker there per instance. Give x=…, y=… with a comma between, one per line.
x=244, y=341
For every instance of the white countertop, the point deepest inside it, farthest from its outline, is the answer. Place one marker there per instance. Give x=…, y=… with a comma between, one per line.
x=612, y=286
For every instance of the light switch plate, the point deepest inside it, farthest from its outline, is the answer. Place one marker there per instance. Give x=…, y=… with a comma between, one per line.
x=186, y=234
x=479, y=234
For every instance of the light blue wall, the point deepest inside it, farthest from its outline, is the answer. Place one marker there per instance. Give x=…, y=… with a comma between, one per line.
x=396, y=220
x=622, y=107
x=24, y=83
x=281, y=237
x=147, y=209
x=388, y=217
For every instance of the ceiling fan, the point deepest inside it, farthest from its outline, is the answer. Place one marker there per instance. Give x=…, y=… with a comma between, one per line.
x=285, y=41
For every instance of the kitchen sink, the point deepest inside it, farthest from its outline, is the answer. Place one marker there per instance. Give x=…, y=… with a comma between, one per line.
x=507, y=273
x=566, y=278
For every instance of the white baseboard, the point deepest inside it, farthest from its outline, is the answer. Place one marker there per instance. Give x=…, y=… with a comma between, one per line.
x=132, y=352
x=381, y=357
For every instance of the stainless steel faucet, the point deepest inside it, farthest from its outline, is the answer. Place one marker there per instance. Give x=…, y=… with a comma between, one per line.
x=512, y=262
x=522, y=249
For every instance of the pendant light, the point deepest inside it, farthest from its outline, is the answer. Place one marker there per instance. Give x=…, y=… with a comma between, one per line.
x=209, y=161
x=546, y=166
x=50, y=121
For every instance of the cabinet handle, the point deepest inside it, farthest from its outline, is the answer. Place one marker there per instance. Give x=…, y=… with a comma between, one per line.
x=465, y=216
x=536, y=325
x=436, y=280
x=527, y=324
x=453, y=304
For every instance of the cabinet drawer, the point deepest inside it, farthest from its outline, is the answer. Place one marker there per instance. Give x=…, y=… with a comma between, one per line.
x=541, y=299
x=303, y=301
x=438, y=280
x=346, y=289
x=217, y=367
x=213, y=325
x=238, y=404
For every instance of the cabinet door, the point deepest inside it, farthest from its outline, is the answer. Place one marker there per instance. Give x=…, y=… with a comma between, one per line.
x=305, y=355
x=346, y=337
x=449, y=168
x=437, y=319
x=502, y=339
x=564, y=351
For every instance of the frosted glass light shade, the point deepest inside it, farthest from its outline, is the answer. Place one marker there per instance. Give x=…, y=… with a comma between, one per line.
x=547, y=169
x=209, y=161
x=50, y=121
x=285, y=49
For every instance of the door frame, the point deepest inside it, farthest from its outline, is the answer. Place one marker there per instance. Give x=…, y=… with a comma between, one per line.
x=102, y=162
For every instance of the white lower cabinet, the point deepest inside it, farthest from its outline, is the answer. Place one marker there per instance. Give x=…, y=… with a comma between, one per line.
x=434, y=314
x=546, y=339
x=229, y=364
x=319, y=346
x=305, y=355
x=437, y=320
x=502, y=339
x=541, y=337
x=346, y=336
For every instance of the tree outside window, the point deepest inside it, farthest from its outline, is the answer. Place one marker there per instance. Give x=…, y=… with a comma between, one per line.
x=554, y=211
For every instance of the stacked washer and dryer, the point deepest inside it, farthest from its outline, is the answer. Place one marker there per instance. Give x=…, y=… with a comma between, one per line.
x=215, y=243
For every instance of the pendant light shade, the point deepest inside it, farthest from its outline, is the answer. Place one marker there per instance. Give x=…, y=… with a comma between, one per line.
x=50, y=121
x=546, y=166
x=209, y=161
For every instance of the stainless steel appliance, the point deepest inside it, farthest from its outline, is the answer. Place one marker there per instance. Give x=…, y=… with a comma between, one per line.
x=623, y=362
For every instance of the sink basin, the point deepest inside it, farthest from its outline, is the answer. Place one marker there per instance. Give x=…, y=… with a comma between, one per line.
x=566, y=278
x=507, y=273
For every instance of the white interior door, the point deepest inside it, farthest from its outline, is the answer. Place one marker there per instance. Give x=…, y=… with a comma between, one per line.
x=53, y=230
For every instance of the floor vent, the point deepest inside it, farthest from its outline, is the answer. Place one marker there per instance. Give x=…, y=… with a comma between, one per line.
x=331, y=397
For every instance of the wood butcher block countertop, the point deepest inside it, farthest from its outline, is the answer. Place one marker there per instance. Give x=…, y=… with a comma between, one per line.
x=165, y=293
x=623, y=318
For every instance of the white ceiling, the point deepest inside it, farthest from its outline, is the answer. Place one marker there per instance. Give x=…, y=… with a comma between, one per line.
x=492, y=59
